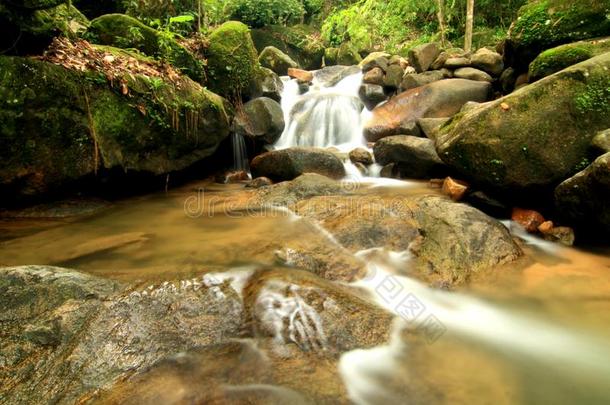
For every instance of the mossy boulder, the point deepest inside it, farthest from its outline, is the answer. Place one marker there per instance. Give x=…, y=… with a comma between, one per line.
x=276, y=60
x=330, y=56
x=543, y=24
x=301, y=42
x=534, y=138
x=58, y=126
x=25, y=31
x=123, y=31
x=348, y=55
x=556, y=59
x=585, y=198
x=232, y=60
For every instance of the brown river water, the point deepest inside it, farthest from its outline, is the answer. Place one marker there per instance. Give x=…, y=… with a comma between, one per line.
x=536, y=331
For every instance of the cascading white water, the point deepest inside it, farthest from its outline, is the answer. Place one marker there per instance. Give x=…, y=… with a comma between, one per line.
x=240, y=154
x=324, y=116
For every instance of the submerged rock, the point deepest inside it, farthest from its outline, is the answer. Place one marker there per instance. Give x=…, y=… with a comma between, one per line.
x=288, y=164
x=237, y=372
x=449, y=241
x=70, y=334
x=533, y=138
x=584, y=199
x=413, y=157
x=296, y=307
x=436, y=100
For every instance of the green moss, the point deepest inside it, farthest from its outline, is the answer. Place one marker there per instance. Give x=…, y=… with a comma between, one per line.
x=122, y=31
x=595, y=99
x=232, y=59
x=301, y=42
x=545, y=23
x=52, y=121
x=561, y=57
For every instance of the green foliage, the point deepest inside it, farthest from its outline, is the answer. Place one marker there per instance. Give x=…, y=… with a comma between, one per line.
x=398, y=24
x=259, y=13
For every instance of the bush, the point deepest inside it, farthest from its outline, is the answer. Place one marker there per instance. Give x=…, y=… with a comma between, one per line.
x=259, y=13
x=397, y=24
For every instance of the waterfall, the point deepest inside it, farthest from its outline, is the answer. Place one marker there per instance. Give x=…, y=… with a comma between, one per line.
x=324, y=116
x=240, y=154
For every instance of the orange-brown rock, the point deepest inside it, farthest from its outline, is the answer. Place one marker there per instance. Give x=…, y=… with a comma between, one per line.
x=455, y=189
x=299, y=74
x=436, y=100
x=529, y=219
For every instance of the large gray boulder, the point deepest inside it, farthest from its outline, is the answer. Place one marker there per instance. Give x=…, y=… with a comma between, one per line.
x=66, y=335
x=262, y=120
x=436, y=100
x=449, y=242
x=413, y=157
x=288, y=164
x=535, y=137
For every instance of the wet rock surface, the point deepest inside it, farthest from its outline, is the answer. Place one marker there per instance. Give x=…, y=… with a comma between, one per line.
x=290, y=163
x=436, y=100
x=493, y=145
x=79, y=333
x=414, y=157
x=585, y=197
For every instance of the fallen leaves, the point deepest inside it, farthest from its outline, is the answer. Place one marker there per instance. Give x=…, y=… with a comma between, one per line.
x=81, y=56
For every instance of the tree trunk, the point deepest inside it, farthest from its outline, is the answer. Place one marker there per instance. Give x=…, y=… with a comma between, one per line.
x=469, y=25
x=441, y=21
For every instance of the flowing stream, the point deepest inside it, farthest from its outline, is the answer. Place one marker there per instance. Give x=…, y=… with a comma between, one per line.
x=532, y=332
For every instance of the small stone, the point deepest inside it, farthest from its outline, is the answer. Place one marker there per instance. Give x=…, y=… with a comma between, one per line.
x=455, y=189
x=561, y=234
x=360, y=155
x=374, y=76
x=259, y=182
x=472, y=74
x=505, y=106
x=108, y=59
x=529, y=219
x=299, y=74
x=546, y=227
x=232, y=177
